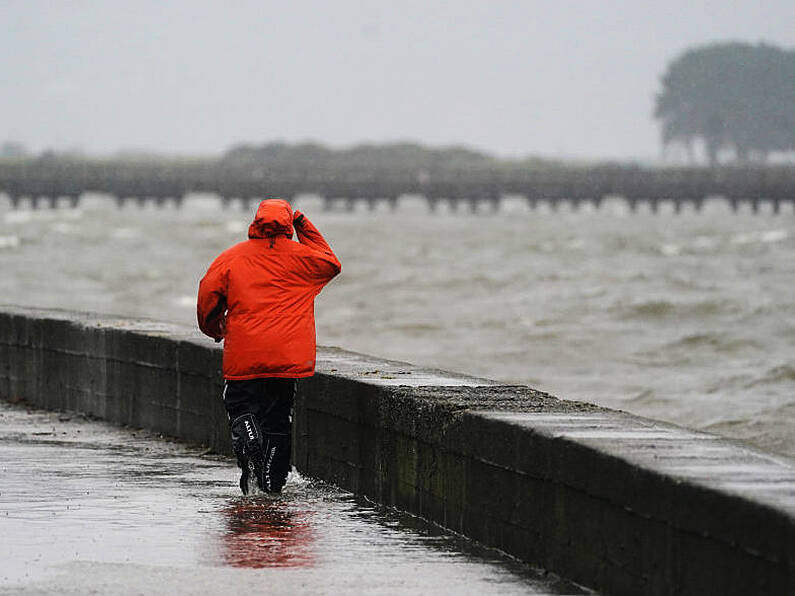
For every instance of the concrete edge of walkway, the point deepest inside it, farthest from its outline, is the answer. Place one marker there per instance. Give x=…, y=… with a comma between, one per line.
x=620, y=503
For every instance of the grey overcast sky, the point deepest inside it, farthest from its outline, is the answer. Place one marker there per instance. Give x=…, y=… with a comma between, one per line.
x=569, y=78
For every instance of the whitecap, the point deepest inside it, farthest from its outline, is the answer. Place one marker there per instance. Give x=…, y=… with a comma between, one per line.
x=744, y=238
x=63, y=228
x=124, y=233
x=185, y=301
x=18, y=217
x=767, y=237
x=71, y=213
x=9, y=242
x=235, y=226
x=670, y=250
x=774, y=235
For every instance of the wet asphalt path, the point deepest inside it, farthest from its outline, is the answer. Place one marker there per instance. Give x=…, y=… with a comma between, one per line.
x=86, y=507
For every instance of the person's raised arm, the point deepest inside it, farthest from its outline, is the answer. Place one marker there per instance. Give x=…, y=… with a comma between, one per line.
x=308, y=235
x=211, y=302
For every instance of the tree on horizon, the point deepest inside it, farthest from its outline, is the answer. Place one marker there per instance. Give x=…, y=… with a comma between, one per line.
x=729, y=95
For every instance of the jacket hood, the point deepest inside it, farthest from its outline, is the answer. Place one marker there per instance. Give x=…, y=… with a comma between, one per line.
x=274, y=217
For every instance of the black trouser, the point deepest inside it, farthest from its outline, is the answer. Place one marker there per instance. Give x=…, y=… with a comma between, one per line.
x=260, y=420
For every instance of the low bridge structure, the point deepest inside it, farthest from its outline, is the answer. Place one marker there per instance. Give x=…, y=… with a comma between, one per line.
x=38, y=183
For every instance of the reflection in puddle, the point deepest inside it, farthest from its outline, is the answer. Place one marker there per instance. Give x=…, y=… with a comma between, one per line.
x=264, y=532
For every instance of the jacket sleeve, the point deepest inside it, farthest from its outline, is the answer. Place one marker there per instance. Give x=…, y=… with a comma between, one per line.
x=326, y=265
x=211, y=303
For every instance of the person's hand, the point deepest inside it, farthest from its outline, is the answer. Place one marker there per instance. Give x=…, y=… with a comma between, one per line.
x=222, y=325
x=298, y=218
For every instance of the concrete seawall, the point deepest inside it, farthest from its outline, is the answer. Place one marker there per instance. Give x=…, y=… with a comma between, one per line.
x=620, y=503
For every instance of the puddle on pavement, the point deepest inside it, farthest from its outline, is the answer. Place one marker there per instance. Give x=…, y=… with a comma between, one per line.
x=85, y=506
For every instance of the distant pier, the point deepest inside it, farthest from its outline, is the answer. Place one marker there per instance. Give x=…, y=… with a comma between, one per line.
x=48, y=185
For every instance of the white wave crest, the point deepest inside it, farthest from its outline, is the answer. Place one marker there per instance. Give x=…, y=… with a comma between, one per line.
x=9, y=242
x=18, y=217
x=185, y=301
x=774, y=236
x=767, y=237
x=234, y=226
x=124, y=233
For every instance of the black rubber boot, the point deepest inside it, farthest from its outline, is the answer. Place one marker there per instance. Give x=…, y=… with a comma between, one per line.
x=247, y=445
x=277, y=462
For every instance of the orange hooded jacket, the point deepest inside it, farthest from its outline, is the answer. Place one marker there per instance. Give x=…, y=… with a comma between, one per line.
x=258, y=296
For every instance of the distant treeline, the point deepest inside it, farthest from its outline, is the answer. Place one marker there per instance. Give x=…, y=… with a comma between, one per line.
x=399, y=157
x=382, y=157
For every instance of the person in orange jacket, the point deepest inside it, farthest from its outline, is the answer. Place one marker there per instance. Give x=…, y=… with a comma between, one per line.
x=258, y=297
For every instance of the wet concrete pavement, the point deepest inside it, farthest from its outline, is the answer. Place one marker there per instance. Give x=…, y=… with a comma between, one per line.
x=86, y=507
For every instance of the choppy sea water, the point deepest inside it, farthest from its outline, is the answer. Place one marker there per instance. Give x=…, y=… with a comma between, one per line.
x=688, y=318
